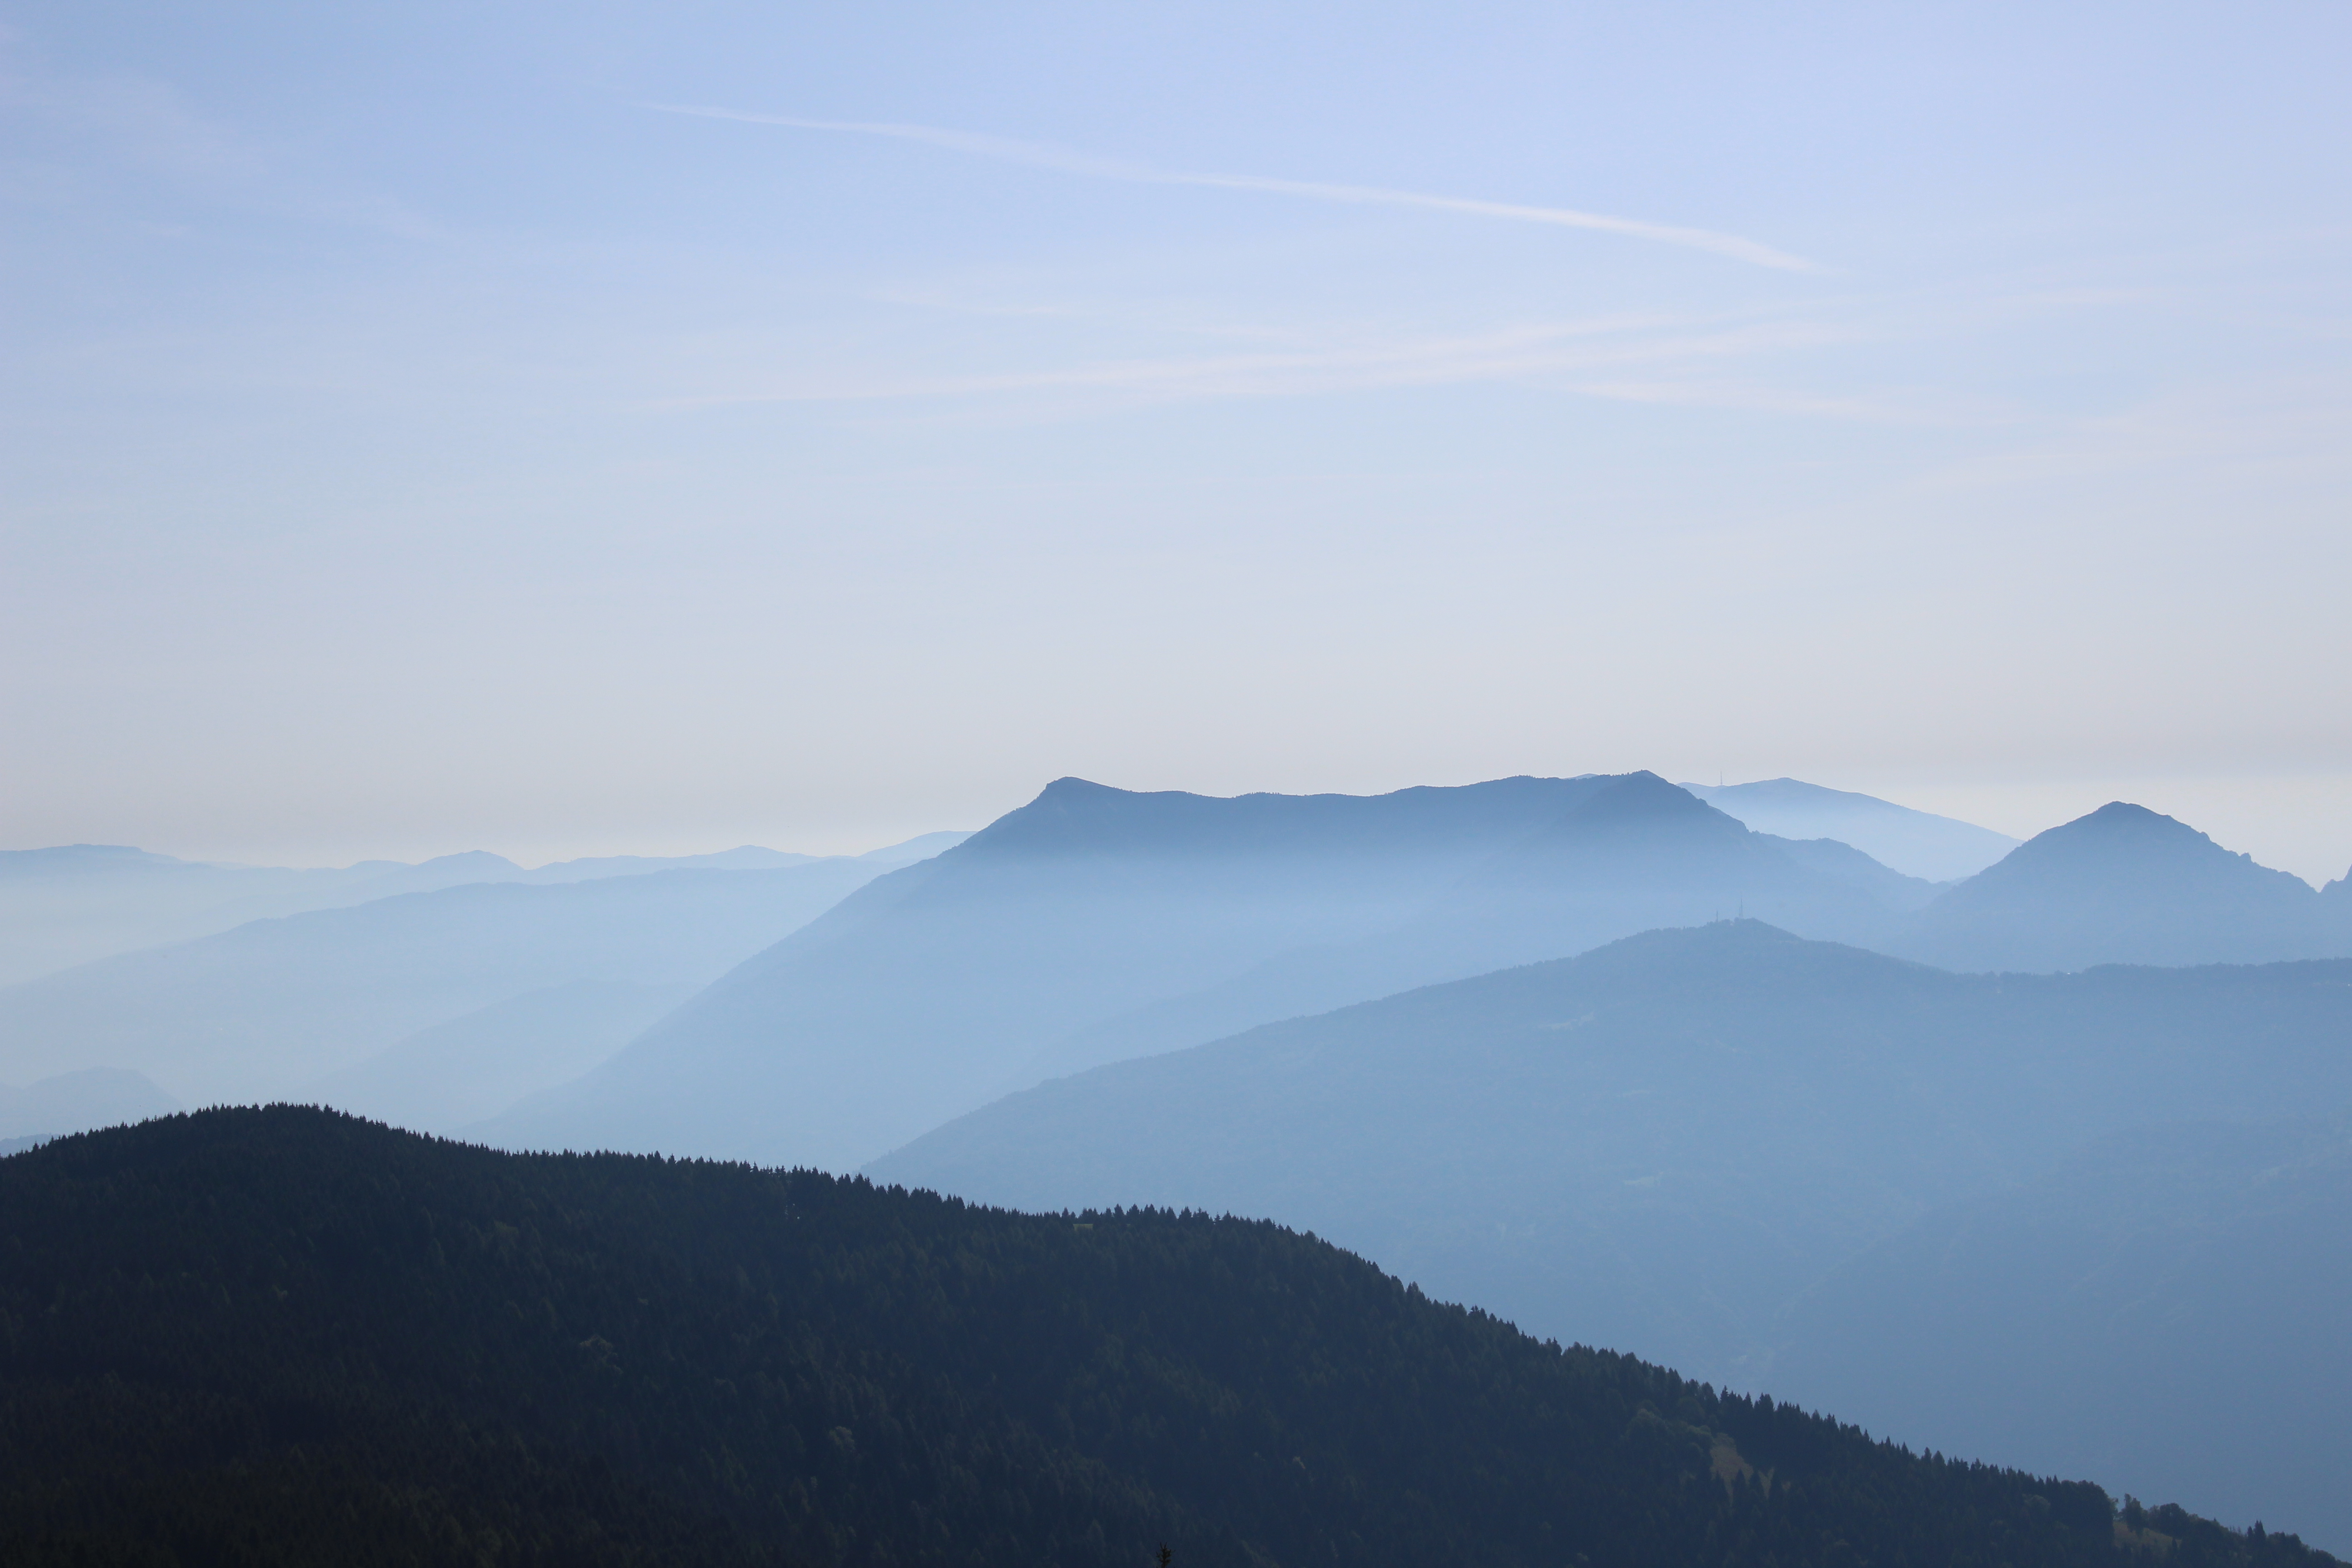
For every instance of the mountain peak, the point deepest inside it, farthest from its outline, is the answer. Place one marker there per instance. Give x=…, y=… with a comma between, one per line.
x=2123, y=815
x=2123, y=838
x=2121, y=885
x=1644, y=792
x=1643, y=801
x=1069, y=786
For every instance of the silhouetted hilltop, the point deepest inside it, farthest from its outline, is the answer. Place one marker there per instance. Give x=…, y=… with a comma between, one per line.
x=284, y=1336
x=2123, y=885
x=1096, y=924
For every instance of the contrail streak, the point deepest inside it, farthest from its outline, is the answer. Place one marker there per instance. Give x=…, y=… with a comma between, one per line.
x=1045, y=157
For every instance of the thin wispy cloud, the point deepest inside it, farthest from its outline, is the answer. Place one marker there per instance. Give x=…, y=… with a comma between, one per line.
x=1037, y=155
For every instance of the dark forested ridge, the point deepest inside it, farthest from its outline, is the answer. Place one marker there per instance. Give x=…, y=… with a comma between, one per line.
x=289, y=1336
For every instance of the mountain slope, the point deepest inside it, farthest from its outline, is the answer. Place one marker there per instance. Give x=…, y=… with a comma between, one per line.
x=2122, y=885
x=76, y=1101
x=1919, y=843
x=1663, y=1143
x=2183, y=1273
x=259, y=1011
x=2336, y=912
x=284, y=1336
x=1635, y=854
x=454, y=1074
x=76, y=903
x=1095, y=924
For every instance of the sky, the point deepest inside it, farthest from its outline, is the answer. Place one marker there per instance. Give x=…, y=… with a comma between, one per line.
x=610, y=427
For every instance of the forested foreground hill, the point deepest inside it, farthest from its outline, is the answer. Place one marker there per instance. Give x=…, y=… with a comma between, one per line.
x=289, y=1336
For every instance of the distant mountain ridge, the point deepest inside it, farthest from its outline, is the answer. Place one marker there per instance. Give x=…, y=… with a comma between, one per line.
x=260, y=1012
x=1100, y=923
x=78, y=1102
x=1635, y=854
x=1917, y=843
x=1672, y=1143
x=75, y=903
x=1711, y=1056
x=452, y=1073
x=1096, y=925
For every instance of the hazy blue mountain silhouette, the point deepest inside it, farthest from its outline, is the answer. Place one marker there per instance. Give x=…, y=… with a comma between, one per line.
x=2336, y=910
x=261, y=1011
x=1641, y=854
x=79, y=1101
x=1665, y=1142
x=459, y=1072
x=1841, y=862
x=76, y=903
x=1917, y=842
x=1094, y=920
x=1633, y=855
x=2174, y=1275
x=2123, y=885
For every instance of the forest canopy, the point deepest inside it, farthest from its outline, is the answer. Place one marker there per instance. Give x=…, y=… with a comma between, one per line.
x=287, y=1335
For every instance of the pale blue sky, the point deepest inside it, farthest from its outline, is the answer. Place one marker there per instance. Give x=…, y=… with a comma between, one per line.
x=416, y=438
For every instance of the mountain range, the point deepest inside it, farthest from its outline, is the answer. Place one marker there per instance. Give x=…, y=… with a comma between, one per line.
x=1732, y=1146
x=607, y=1003
x=73, y=903
x=1095, y=925
x=263, y=1011
x=1669, y=1144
